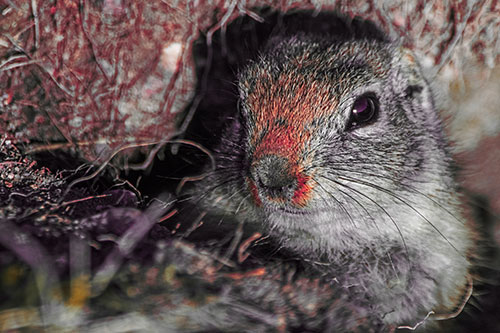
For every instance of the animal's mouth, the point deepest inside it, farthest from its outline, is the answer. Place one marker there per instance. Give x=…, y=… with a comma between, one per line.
x=289, y=211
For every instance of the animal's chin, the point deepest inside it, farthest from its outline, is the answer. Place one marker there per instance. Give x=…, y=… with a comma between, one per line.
x=285, y=210
x=291, y=211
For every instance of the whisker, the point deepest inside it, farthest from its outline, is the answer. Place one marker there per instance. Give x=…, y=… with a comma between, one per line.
x=377, y=204
x=339, y=204
x=211, y=189
x=371, y=217
x=360, y=205
x=241, y=203
x=406, y=186
x=357, y=181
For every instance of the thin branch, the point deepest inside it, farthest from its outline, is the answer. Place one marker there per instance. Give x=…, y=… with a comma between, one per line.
x=222, y=23
x=34, y=9
x=414, y=327
x=14, y=57
x=19, y=64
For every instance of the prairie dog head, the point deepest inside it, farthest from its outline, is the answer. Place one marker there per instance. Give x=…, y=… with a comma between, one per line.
x=338, y=151
x=344, y=154
x=343, y=145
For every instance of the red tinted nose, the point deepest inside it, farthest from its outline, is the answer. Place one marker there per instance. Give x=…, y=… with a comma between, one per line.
x=273, y=178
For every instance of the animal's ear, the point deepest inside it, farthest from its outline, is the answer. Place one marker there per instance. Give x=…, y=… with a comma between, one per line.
x=411, y=84
x=410, y=73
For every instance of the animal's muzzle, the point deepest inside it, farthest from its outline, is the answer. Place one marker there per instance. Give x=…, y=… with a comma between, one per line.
x=275, y=180
x=273, y=177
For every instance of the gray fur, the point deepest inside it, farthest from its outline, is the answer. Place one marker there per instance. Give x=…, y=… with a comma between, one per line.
x=385, y=213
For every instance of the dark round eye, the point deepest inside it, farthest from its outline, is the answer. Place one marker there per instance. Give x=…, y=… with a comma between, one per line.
x=364, y=111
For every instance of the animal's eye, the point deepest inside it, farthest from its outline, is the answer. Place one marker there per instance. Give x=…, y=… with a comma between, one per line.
x=364, y=111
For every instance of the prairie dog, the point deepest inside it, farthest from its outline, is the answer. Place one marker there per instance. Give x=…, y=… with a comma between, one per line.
x=338, y=152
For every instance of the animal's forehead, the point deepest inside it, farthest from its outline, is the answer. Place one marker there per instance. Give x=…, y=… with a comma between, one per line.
x=308, y=80
x=301, y=67
x=290, y=97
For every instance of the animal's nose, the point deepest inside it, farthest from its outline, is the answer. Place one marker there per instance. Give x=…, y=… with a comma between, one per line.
x=273, y=177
